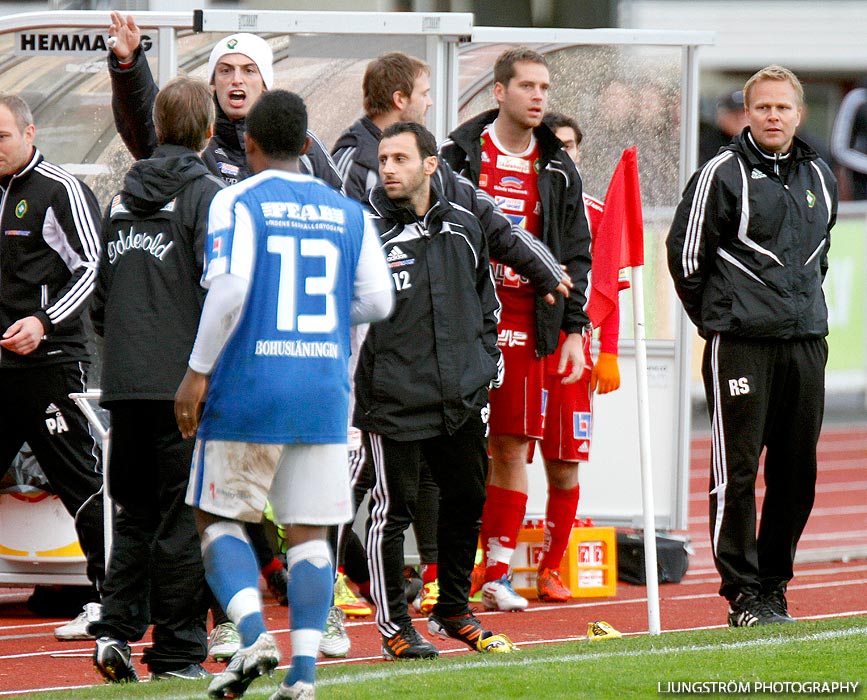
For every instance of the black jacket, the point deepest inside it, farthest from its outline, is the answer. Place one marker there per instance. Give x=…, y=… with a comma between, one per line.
x=148, y=297
x=357, y=156
x=49, y=253
x=748, y=247
x=564, y=225
x=133, y=92
x=425, y=370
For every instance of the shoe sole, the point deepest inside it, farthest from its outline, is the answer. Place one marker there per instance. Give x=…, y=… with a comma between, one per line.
x=236, y=689
x=388, y=655
x=358, y=612
x=110, y=674
x=174, y=677
x=74, y=637
x=544, y=597
x=439, y=630
x=491, y=603
x=496, y=606
x=332, y=654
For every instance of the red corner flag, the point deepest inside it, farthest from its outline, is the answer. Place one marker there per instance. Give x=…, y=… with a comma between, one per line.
x=619, y=241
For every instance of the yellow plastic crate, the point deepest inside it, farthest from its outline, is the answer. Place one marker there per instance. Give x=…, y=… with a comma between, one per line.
x=588, y=569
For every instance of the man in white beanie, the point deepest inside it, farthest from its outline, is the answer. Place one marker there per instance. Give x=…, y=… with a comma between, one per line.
x=240, y=69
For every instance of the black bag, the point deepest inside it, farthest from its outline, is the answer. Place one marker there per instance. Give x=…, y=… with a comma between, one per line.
x=672, y=558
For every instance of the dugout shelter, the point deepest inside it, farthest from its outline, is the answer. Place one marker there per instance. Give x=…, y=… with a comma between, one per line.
x=625, y=87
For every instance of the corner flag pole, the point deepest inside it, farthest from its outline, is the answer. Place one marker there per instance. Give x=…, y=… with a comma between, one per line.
x=650, y=568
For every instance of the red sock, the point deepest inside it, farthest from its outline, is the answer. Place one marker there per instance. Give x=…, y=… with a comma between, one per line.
x=428, y=573
x=364, y=590
x=274, y=565
x=501, y=521
x=559, y=518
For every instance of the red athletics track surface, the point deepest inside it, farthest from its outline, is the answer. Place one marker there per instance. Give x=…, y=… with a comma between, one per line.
x=830, y=580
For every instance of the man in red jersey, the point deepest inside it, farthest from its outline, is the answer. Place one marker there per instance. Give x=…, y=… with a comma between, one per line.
x=510, y=154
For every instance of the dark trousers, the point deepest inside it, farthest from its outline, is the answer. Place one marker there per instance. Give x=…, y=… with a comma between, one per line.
x=352, y=557
x=762, y=394
x=35, y=408
x=155, y=574
x=458, y=464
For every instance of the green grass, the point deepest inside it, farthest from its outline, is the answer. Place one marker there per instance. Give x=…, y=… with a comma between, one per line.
x=830, y=650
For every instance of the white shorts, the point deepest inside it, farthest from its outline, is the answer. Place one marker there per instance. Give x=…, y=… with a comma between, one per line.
x=306, y=484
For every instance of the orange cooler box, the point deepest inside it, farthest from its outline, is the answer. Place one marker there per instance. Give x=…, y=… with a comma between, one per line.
x=588, y=569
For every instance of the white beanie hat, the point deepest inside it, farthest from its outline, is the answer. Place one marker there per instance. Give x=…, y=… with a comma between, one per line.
x=252, y=46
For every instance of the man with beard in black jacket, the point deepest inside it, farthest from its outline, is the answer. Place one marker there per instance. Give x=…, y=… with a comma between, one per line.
x=146, y=306
x=427, y=396
x=396, y=88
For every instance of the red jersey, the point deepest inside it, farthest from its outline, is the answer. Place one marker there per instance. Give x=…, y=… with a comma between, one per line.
x=512, y=180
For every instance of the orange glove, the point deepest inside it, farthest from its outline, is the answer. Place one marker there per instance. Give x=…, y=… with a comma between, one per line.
x=605, y=375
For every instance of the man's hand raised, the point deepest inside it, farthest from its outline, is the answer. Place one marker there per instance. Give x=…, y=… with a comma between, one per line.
x=127, y=37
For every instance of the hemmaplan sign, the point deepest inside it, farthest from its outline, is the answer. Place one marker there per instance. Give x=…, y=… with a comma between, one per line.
x=69, y=43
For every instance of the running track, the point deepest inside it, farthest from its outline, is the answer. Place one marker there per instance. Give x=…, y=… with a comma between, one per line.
x=830, y=581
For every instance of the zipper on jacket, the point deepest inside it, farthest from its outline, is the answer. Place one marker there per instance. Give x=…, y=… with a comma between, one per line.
x=34, y=156
x=3, y=209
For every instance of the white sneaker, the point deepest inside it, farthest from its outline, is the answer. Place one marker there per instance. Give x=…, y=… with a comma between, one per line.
x=76, y=630
x=224, y=641
x=499, y=595
x=299, y=690
x=335, y=642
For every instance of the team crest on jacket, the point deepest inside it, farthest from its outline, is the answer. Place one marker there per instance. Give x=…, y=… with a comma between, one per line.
x=811, y=199
x=21, y=209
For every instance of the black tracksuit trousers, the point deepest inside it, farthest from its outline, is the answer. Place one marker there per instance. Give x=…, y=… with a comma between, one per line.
x=762, y=393
x=458, y=464
x=35, y=408
x=155, y=573
x=353, y=557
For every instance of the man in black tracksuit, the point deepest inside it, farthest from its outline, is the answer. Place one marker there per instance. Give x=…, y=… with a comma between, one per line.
x=748, y=251
x=146, y=306
x=421, y=390
x=49, y=252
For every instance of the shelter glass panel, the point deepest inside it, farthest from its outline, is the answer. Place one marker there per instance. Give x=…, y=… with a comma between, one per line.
x=621, y=96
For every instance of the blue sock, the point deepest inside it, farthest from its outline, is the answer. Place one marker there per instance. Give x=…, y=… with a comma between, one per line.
x=232, y=573
x=310, y=589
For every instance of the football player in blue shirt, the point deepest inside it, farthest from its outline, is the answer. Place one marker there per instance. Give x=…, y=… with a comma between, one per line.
x=291, y=264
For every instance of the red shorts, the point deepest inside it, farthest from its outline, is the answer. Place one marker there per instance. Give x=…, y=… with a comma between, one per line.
x=534, y=403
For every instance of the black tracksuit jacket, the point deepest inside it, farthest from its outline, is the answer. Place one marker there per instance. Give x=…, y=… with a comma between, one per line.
x=748, y=247
x=564, y=225
x=148, y=297
x=133, y=92
x=424, y=370
x=357, y=156
x=49, y=253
